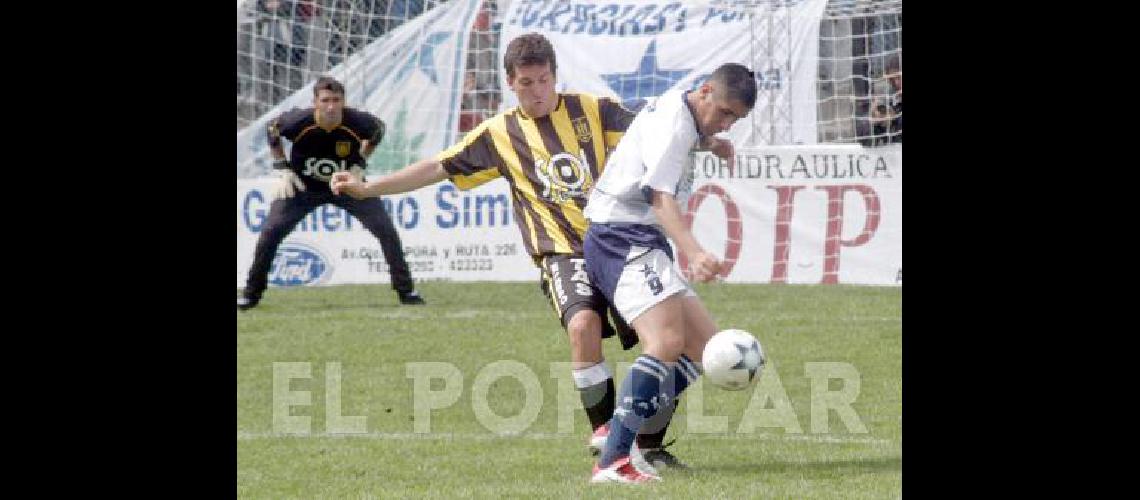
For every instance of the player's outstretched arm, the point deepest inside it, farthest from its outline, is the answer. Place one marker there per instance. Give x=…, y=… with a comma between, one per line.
x=704, y=265
x=412, y=177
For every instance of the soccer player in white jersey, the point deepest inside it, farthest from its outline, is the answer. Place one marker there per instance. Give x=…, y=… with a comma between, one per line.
x=632, y=209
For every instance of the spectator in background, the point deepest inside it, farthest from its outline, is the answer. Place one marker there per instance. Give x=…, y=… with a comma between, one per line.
x=480, y=84
x=273, y=46
x=886, y=116
x=303, y=13
x=470, y=86
x=470, y=113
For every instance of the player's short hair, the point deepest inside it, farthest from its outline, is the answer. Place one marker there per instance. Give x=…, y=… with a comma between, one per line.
x=527, y=50
x=327, y=83
x=737, y=81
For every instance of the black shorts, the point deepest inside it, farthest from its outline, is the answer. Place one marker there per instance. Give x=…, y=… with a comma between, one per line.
x=565, y=283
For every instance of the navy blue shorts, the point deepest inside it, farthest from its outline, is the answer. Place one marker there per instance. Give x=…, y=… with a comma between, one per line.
x=633, y=266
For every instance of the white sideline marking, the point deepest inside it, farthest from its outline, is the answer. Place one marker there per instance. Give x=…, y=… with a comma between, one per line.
x=548, y=436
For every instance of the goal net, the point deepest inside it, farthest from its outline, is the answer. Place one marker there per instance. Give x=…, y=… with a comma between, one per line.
x=373, y=47
x=860, y=52
x=432, y=69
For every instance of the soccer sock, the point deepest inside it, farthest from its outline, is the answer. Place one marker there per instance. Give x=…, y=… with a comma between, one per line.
x=682, y=374
x=596, y=388
x=640, y=392
x=652, y=434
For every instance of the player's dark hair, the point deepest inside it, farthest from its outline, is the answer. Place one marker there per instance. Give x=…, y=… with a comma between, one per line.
x=737, y=81
x=327, y=83
x=527, y=50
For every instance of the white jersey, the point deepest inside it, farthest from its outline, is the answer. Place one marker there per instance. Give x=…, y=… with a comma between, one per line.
x=653, y=154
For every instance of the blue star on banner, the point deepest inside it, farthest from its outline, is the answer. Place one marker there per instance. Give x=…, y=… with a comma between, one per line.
x=426, y=62
x=647, y=81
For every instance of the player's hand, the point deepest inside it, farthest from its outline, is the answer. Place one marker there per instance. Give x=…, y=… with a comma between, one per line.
x=288, y=184
x=345, y=182
x=358, y=172
x=704, y=266
x=723, y=149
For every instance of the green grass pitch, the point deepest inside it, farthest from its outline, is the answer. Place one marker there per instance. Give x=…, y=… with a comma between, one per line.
x=777, y=439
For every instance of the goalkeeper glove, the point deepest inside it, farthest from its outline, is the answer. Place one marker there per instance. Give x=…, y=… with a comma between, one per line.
x=288, y=183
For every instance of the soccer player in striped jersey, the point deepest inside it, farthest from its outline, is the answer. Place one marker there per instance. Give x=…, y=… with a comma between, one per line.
x=550, y=149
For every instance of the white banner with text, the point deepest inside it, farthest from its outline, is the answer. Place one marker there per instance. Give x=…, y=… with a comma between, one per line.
x=789, y=214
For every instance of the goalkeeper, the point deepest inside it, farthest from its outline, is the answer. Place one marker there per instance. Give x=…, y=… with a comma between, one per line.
x=326, y=138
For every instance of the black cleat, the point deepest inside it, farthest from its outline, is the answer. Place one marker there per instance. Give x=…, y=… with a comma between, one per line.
x=244, y=302
x=660, y=458
x=411, y=298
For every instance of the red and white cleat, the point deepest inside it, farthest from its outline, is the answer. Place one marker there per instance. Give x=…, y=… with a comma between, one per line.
x=621, y=471
x=598, y=439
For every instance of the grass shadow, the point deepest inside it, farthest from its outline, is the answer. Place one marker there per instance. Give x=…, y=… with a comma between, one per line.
x=810, y=468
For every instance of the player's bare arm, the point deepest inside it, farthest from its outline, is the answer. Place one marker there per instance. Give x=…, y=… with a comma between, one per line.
x=414, y=176
x=704, y=265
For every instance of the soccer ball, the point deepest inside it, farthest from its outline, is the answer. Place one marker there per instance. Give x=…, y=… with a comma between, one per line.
x=733, y=359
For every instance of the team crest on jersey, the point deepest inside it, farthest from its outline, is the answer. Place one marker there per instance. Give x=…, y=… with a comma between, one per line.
x=343, y=148
x=564, y=177
x=581, y=129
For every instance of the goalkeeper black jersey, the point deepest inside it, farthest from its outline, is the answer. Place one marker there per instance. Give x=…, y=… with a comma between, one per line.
x=318, y=153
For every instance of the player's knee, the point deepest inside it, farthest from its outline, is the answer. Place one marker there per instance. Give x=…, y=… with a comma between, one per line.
x=667, y=344
x=585, y=332
x=673, y=345
x=585, y=328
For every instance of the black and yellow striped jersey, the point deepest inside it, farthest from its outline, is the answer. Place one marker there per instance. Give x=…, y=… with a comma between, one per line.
x=551, y=163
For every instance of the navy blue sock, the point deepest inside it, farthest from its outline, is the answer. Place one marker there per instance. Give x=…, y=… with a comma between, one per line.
x=637, y=401
x=681, y=374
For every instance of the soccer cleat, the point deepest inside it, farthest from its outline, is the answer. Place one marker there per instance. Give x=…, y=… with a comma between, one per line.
x=411, y=298
x=621, y=471
x=639, y=461
x=660, y=458
x=598, y=441
x=244, y=302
